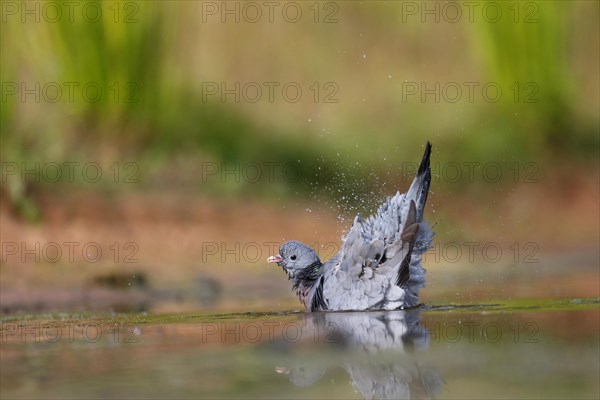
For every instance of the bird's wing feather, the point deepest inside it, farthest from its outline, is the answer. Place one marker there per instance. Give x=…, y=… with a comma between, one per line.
x=367, y=270
x=376, y=259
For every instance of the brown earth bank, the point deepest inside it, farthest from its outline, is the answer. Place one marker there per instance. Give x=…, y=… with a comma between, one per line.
x=171, y=251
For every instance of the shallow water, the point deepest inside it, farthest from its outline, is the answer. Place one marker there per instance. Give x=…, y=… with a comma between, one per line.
x=546, y=349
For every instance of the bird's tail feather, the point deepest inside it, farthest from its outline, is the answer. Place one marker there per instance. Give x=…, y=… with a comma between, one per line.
x=420, y=186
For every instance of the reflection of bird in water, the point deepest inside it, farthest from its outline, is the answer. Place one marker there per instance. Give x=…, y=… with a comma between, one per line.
x=302, y=376
x=379, y=353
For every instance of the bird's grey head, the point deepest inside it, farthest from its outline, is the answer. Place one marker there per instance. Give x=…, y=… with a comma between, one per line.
x=295, y=256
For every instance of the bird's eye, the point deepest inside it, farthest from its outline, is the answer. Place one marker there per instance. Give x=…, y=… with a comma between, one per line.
x=292, y=257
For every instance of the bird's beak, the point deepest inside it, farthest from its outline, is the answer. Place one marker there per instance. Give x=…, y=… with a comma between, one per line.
x=283, y=370
x=275, y=259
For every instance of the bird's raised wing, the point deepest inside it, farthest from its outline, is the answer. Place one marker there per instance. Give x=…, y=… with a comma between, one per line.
x=376, y=261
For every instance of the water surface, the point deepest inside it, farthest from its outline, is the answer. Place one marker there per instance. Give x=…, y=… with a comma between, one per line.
x=521, y=349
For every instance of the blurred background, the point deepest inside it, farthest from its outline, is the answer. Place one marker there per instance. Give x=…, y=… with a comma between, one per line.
x=154, y=154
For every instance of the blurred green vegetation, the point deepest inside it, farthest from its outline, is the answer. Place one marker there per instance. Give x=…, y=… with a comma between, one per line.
x=151, y=59
x=538, y=51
